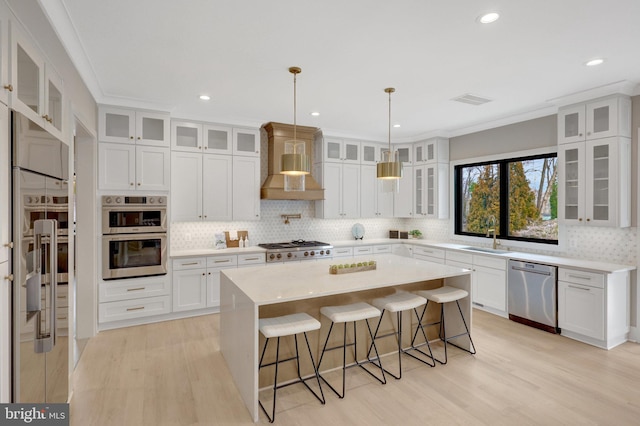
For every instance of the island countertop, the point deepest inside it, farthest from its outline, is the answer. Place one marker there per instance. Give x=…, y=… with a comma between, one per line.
x=303, y=280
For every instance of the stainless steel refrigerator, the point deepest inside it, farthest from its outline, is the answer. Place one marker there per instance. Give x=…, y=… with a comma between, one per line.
x=40, y=213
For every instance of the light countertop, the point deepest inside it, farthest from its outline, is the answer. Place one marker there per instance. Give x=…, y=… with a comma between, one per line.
x=215, y=252
x=303, y=280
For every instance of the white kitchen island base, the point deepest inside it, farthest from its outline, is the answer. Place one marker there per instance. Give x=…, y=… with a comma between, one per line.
x=304, y=287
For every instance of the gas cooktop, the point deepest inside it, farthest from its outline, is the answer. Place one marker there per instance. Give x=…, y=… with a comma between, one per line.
x=294, y=245
x=297, y=250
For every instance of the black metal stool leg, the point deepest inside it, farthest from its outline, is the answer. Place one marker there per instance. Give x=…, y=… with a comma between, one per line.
x=271, y=417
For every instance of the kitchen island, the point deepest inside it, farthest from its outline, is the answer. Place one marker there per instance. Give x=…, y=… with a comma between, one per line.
x=248, y=294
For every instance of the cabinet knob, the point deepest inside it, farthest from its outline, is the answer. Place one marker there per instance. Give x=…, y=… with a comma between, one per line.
x=588, y=220
x=579, y=219
x=9, y=87
x=9, y=244
x=131, y=184
x=139, y=138
x=9, y=277
x=138, y=183
x=130, y=137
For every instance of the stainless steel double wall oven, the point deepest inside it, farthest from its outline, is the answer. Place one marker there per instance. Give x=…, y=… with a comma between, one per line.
x=134, y=236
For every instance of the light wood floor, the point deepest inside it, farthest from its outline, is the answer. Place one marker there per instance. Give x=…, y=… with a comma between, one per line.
x=172, y=373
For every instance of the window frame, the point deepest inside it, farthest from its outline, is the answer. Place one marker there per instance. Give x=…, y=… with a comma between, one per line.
x=503, y=170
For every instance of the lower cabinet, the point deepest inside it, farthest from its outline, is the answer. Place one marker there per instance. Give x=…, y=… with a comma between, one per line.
x=134, y=298
x=196, y=281
x=594, y=307
x=430, y=254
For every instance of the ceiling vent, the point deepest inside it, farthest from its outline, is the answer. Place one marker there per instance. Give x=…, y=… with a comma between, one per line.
x=471, y=99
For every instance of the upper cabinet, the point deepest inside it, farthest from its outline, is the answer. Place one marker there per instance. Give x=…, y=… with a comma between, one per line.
x=36, y=89
x=246, y=142
x=370, y=153
x=121, y=125
x=190, y=136
x=338, y=151
x=431, y=190
x=5, y=82
x=435, y=150
x=600, y=118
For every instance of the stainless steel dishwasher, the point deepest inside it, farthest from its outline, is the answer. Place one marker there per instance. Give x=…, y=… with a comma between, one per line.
x=533, y=295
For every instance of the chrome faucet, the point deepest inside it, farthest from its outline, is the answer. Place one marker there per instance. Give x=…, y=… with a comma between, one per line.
x=492, y=231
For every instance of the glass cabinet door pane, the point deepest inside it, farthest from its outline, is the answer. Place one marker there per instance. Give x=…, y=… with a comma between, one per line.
x=601, y=182
x=153, y=129
x=187, y=137
x=246, y=142
x=28, y=80
x=571, y=125
x=116, y=125
x=419, y=189
x=404, y=154
x=351, y=152
x=572, y=185
x=601, y=119
x=419, y=156
x=369, y=154
x=431, y=180
x=333, y=150
x=55, y=106
x=431, y=152
x=217, y=139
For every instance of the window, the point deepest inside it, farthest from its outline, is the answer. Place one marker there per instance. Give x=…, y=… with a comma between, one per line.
x=515, y=198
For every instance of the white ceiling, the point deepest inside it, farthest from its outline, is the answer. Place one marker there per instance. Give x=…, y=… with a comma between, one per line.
x=164, y=53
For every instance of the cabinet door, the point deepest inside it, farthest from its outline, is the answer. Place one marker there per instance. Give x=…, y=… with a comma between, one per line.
x=246, y=188
x=5, y=170
x=217, y=199
x=189, y=289
x=490, y=287
x=186, y=187
x=213, y=288
x=53, y=103
x=27, y=76
x=581, y=309
x=403, y=199
x=571, y=185
x=331, y=181
x=405, y=153
x=117, y=166
x=5, y=82
x=368, y=189
x=436, y=196
x=153, y=168
x=246, y=142
x=602, y=181
x=351, y=152
x=571, y=124
x=116, y=125
x=332, y=150
x=369, y=153
x=384, y=197
x=602, y=119
x=419, y=191
x=350, y=191
x=186, y=136
x=419, y=153
x=218, y=139
x=152, y=128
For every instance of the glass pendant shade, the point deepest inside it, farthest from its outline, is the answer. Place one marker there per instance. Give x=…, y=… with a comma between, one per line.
x=390, y=167
x=295, y=161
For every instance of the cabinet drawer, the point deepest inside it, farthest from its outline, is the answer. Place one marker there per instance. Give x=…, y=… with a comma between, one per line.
x=490, y=262
x=222, y=261
x=342, y=252
x=429, y=251
x=591, y=279
x=382, y=249
x=128, y=309
x=138, y=288
x=251, y=259
x=459, y=256
x=458, y=264
x=429, y=258
x=189, y=263
x=357, y=251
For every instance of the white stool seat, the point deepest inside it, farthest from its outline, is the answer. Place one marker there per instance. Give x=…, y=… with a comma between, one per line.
x=288, y=325
x=443, y=294
x=348, y=313
x=398, y=302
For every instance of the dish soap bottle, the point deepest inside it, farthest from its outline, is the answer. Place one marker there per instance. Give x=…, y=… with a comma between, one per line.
x=246, y=241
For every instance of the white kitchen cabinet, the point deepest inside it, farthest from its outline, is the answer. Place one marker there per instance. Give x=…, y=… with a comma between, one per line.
x=129, y=167
x=489, y=283
x=341, y=184
x=217, y=139
x=375, y=201
x=5, y=171
x=133, y=298
x=370, y=153
x=246, y=188
x=36, y=88
x=128, y=126
x=594, y=185
x=431, y=190
x=434, y=150
x=132, y=309
x=430, y=254
x=215, y=265
x=339, y=151
x=403, y=199
x=594, y=307
x=600, y=118
x=189, y=284
x=246, y=142
x=201, y=187
x=186, y=136
x=343, y=252
x=5, y=83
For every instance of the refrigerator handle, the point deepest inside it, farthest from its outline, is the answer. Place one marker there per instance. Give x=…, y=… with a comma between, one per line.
x=45, y=340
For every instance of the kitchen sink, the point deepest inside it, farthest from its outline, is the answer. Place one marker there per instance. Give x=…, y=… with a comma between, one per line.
x=486, y=250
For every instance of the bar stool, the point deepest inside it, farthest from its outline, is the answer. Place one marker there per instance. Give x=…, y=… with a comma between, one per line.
x=288, y=325
x=398, y=303
x=442, y=295
x=345, y=314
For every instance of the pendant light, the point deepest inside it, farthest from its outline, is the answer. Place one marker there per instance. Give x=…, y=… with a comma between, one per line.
x=295, y=161
x=390, y=166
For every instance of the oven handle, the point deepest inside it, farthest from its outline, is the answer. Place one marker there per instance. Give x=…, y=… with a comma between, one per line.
x=143, y=236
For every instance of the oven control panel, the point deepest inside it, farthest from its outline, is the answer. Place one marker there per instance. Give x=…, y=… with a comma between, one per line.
x=127, y=200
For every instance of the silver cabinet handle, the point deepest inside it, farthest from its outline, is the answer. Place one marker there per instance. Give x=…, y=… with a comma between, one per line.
x=252, y=258
x=190, y=263
x=136, y=289
x=579, y=288
x=221, y=261
x=138, y=308
x=580, y=277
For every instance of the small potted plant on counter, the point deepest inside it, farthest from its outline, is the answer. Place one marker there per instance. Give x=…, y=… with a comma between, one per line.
x=415, y=234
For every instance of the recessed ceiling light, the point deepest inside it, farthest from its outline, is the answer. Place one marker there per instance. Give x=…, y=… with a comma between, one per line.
x=396, y=125
x=594, y=62
x=488, y=18
x=205, y=97
x=314, y=113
